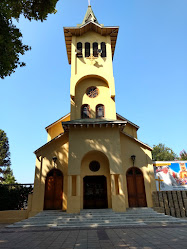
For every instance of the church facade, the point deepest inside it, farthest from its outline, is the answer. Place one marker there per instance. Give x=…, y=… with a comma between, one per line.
x=93, y=158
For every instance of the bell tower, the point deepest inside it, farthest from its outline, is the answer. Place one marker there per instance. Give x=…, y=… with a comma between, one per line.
x=90, y=50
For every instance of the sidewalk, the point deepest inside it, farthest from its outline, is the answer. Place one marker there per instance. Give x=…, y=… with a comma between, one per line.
x=173, y=236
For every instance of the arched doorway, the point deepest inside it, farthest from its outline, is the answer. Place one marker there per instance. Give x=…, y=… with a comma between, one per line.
x=53, y=190
x=136, y=188
x=95, y=192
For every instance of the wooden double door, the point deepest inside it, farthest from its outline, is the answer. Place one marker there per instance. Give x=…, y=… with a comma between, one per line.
x=136, y=188
x=53, y=190
x=95, y=192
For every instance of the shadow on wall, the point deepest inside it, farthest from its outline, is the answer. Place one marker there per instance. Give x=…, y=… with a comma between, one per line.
x=58, y=150
x=95, y=155
x=97, y=144
x=96, y=64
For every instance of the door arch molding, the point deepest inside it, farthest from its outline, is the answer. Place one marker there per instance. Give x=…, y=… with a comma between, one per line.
x=136, y=188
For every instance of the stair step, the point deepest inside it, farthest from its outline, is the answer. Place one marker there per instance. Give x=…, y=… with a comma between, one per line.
x=98, y=218
x=78, y=226
x=60, y=219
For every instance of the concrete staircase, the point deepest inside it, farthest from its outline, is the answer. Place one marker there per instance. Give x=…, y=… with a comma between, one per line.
x=93, y=218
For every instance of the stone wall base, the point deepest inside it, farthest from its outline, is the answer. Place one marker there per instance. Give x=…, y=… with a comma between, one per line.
x=172, y=203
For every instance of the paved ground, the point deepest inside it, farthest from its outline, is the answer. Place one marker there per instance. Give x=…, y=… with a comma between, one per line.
x=148, y=237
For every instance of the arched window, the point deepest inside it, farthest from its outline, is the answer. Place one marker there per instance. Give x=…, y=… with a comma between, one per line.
x=100, y=112
x=79, y=49
x=95, y=48
x=85, y=111
x=103, y=48
x=87, y=49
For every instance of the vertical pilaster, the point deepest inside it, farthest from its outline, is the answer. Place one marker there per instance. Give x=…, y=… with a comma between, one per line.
x=113, y=188
x=73, y=202
x=78, y=185
x=121, y=185
x=69, y=186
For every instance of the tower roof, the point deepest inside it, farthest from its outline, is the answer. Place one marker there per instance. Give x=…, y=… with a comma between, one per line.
x=89, y=16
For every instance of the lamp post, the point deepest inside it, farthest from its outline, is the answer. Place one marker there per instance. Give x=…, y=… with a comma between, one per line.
x=133, y=157
x=54, y=160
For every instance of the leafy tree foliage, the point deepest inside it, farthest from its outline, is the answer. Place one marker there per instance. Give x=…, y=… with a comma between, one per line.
x=6, y=174
x=14, y=197
x=11, y=46
x=183, y=155
x=162, y=153
x=9, y=177
x=4, y=150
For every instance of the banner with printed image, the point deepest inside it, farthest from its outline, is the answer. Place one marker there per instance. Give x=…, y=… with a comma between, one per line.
x=170, y=175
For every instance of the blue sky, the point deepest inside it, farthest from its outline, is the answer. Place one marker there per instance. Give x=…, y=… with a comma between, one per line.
x=150, y=70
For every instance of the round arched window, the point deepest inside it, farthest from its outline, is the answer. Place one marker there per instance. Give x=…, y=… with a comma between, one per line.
x=92, y=91
x=94, y=166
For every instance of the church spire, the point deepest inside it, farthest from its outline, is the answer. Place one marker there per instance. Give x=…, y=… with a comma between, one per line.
x=89, y=17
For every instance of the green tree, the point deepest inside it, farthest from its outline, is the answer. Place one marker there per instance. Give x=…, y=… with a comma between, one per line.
x=162, y=153
x=6, y=174
x=9, y=177
x=11, y=46
x=183, y=155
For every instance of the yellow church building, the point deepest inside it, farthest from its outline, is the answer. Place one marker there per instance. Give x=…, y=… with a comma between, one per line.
x=92, y=158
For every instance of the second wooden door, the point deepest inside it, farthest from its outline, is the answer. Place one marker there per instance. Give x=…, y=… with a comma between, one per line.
x=136, y=188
